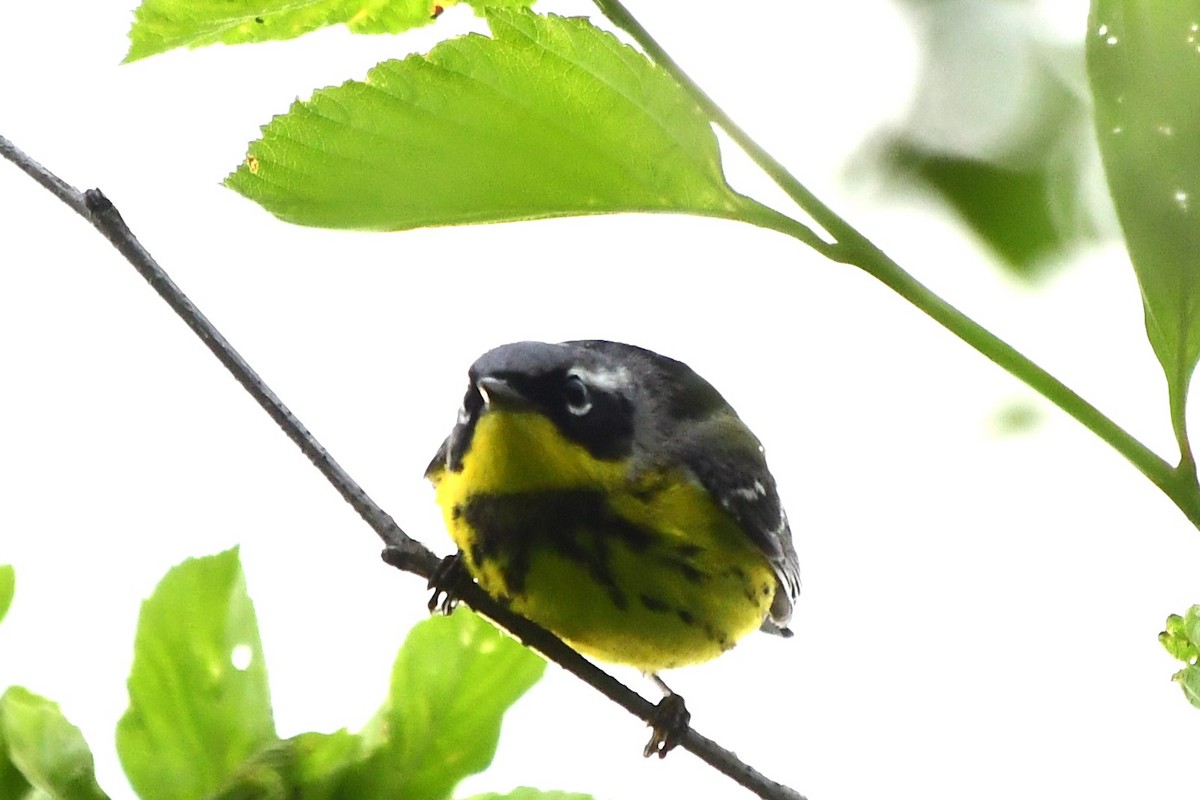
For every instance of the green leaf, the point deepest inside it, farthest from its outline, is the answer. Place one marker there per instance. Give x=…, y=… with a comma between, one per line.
x=1016, y=210
x=1176, y=641
x=198, y=698
x=47, y=750
x=1189, y=680
x=999, y=128
x=525, y=793
x=8, y=586
x=1016, y=417
x=1191, y=627
x=323, y=761
x=311, y=766
x=161, y=25
x=1145, y=75
x=1182, y=640
x=12, y=782
x=549, y=117
x=452, y=682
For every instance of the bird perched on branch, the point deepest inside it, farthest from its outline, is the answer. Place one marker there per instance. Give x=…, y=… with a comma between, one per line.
x=612, y=495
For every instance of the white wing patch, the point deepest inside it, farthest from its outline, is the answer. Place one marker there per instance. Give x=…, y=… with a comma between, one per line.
x=749, y=494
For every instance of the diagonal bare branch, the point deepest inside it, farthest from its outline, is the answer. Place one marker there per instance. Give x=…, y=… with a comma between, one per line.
x=400, y=550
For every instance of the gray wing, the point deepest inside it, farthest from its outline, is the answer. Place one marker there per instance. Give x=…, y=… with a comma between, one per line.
x=729, y=462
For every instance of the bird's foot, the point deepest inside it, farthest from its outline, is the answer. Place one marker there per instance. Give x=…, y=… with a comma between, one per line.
x=669, y=722
x=447, y=583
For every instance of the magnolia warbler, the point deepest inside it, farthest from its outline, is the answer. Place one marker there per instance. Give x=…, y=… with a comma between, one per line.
x=613, y=496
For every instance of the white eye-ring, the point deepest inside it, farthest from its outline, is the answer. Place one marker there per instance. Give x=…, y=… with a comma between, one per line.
x=577, y=396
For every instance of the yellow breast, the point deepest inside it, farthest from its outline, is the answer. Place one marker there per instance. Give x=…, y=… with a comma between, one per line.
x=644, y=569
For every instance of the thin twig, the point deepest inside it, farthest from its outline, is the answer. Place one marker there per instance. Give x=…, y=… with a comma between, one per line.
x=400, y=550
x=93, y=206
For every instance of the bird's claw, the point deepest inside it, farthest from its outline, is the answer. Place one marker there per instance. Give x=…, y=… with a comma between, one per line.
x=669, y=723
x=447, y=582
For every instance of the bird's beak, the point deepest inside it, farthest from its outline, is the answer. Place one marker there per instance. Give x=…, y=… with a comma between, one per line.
x=499, y=393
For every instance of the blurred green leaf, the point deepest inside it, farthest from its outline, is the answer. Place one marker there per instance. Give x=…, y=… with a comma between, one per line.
x=1016, y=417
x=1011, y=209
x=1145, y=77
x=47, y=750
x=322, y=762
x=549, y=117
x=311, y=766
x=1189, y=680
x=999, y=131
x=1175, y=639
x=525, y=793
x=12, y=783
x=452, y=682
x=267, y=775
x=1182, y=640
x=8, y=586
x=198, y=698
x=161, y=25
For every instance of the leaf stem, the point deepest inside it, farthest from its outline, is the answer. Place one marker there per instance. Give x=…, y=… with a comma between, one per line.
x=852, y=247
x=764, y=216
x=1178, y=391
x=1171, y=481
x=824, y=216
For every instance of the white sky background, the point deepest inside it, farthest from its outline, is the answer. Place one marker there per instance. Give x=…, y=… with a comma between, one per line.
x=979, y=613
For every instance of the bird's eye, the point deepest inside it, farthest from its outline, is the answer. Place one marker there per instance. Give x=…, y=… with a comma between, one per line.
x=577, y=396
